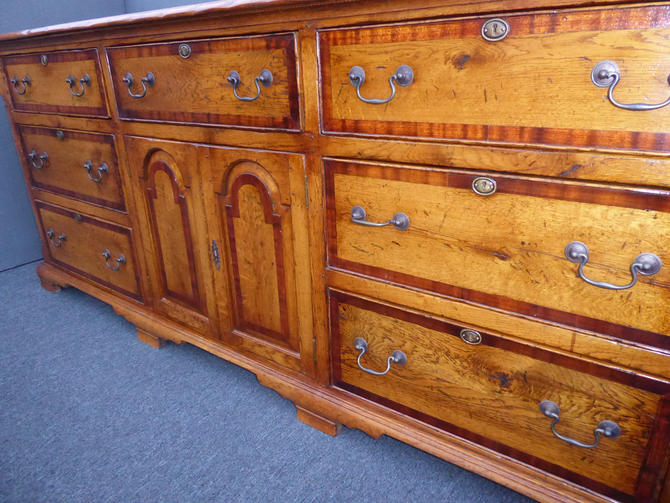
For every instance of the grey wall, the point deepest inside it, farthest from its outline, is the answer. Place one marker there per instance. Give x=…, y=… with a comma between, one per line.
x=19, y=241
x=141, y=5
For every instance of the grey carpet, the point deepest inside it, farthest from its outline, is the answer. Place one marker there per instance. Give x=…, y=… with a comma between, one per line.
x=90, y=414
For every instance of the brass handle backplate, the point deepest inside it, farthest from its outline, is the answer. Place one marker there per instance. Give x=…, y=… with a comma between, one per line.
x=21, y=86
x=397, y=357
x=102, y=169
x=399, y=220
x=120, y=260
x=265, y=78
x=38, y=162
x=149, y=80
x=58, y=242
x=84, y=82
x=403, y=76
x=606, y=428
x=606, y=74
x=646, y=264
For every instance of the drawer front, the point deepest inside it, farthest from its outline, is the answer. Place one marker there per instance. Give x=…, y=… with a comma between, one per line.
x=97, y=249
x=69, y=83
x=196, y=88
x=507, y=249
x=491, y=392
x=532, y=87
x=75, y=164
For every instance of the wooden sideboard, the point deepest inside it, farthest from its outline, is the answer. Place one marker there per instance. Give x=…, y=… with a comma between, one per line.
x=445, y=222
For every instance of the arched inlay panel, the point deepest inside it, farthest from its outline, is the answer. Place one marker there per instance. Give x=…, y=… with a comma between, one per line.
x=172, y=234
x=257, y=258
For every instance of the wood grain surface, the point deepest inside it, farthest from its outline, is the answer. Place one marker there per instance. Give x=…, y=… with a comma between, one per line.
x=499, y=399
x=65, y=173
x=85, y=240
x=48, y=91
x=533, y=87
x=196, y=89
x=509, y=245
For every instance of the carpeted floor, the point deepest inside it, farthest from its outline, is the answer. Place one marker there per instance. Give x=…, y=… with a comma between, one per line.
x=90, y=414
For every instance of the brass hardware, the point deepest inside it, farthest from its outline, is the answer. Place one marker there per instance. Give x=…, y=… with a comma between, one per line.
x=25, y=84
x=265, y=78
x=606, y=74
x=484, y=186
x=78, y=218
x=404, y=76
x=102, y=169
x=44, y=60
x=184, y=51
x=471, y=336
x=43, y=159
x=397, y=357
x=399, y=220
x=60, y=134
x=605, y=428
x=84, y=82
x=646, y=264
x=495, y=29
x=59, y=240
x=149, y=80
x=120, y=260
x=216, y=258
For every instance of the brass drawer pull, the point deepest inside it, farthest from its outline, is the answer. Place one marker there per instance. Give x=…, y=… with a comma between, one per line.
x=102, y=169
x=397, y=357
x=265, y=78
x=605, y=428
x=23, y=86
x=404, y=76
x=399, y=220
x=149, y=80
x=59, y=240
x=120, y=260
x=38, y=162
x=646, y=264
x=83, y=82
x=606, y=74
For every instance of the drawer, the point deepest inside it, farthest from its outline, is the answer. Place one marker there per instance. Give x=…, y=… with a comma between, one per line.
x=67, y=82
x=489, y=391
x=97, y=249
x=531, y=87
x=508, y=249
x=75, y=164
x=190, y=81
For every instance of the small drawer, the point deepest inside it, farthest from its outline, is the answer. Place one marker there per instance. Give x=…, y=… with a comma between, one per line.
x=533, y=85
x=501, y=240
x=490, y=390
x=67, y=82
x=248, y=82
x=79, y=165
x=96, y=249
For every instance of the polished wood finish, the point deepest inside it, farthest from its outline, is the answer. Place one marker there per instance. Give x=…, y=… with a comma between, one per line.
x=65, y=171
x=320, y=423
x=81, y=250
x=518, y=263
x=236, y=217
x=210, y=98
x=500, y=395
x=49, y=92
x=565, y=108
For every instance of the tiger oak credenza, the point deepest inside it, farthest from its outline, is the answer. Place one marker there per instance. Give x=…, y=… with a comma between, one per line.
x=447, y=222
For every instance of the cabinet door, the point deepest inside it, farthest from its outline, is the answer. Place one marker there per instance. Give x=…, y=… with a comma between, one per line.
x=168, y=192
x=258, y=218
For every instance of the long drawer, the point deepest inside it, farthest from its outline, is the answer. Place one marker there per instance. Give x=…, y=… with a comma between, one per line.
x=64, y=82
x=512, y=247
x=73, y=163
x=520, y=78
x=99, y=250
x=249, y=81
x=506, y=395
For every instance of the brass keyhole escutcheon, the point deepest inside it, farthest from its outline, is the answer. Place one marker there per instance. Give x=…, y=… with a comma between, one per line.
x=60, y=134
x=494, y=30
x=44, y=60
x=484, y=186
x=184, y=51
x=471, y=336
